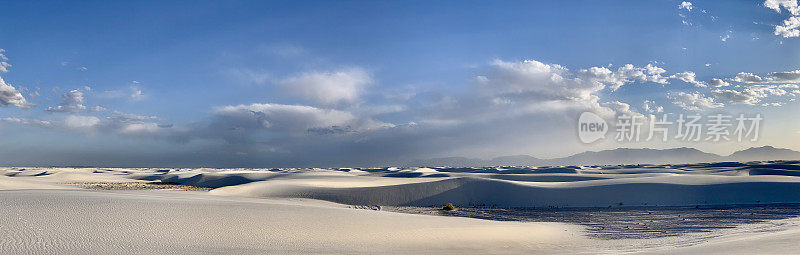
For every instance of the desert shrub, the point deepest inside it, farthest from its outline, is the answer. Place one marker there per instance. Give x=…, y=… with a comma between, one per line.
x=448, y=207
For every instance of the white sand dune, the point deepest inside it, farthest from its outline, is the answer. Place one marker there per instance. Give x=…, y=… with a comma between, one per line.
x=304, y=210
x=88, y=222
x=597, y=193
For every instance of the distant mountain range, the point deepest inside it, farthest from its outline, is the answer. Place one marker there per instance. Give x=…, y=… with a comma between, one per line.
x=619, y=156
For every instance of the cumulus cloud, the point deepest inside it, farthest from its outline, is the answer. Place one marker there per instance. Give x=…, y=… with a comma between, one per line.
x=688, y=77
x=624, y=75
x=714, y=82
x=508, y=100
x=9, y=95
x=686, y=5
x=789, y=26
x=621, y=108
x=774, y=77
x=73, y=102
x=790, y=5
x=520, y=89
x=693, y=101
x=508, y=93
x=784, y=77
x=529, y=88
x=751, y=95
x=329, y=88
x=741, y=97
x=747, y=78
x=551, y=82
x=291, y=119
x=538, y=81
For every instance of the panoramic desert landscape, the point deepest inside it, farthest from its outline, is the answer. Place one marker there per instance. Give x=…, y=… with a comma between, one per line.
x=399, y=210
x=399, y=127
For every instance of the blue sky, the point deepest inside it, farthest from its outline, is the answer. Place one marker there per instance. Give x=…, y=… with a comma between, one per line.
x=298, y=83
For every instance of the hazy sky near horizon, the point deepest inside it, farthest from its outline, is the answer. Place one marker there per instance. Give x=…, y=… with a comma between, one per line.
x=318, y=83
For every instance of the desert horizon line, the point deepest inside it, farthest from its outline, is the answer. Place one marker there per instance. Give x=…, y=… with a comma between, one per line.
x=415, y=162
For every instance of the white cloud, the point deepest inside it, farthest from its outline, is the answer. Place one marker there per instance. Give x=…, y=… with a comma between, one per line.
x=371, y=110
x=117, y=123
x=134, y=125
x=686, y=5
x=534, y=80
x=738, y=97
x=538, y=81
x=292, y=119
x=523, y=89
x=329, y=88
x=626, y=74
x=747, y=78
x=621, y=108
x=784, y=77
x=689, y=8
x=3, y=64
x=789, y=5
x=651, y=107
x=136, y=93
x=768, y=90
x=688, y=77
x=789, y=26
x=72, y=102
x=81, y=122
x=751, y=95
x=726, y=36
x=714, y=82
x=9, y=95
x=774, y=77
x=693, y=101
x=132, y=93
